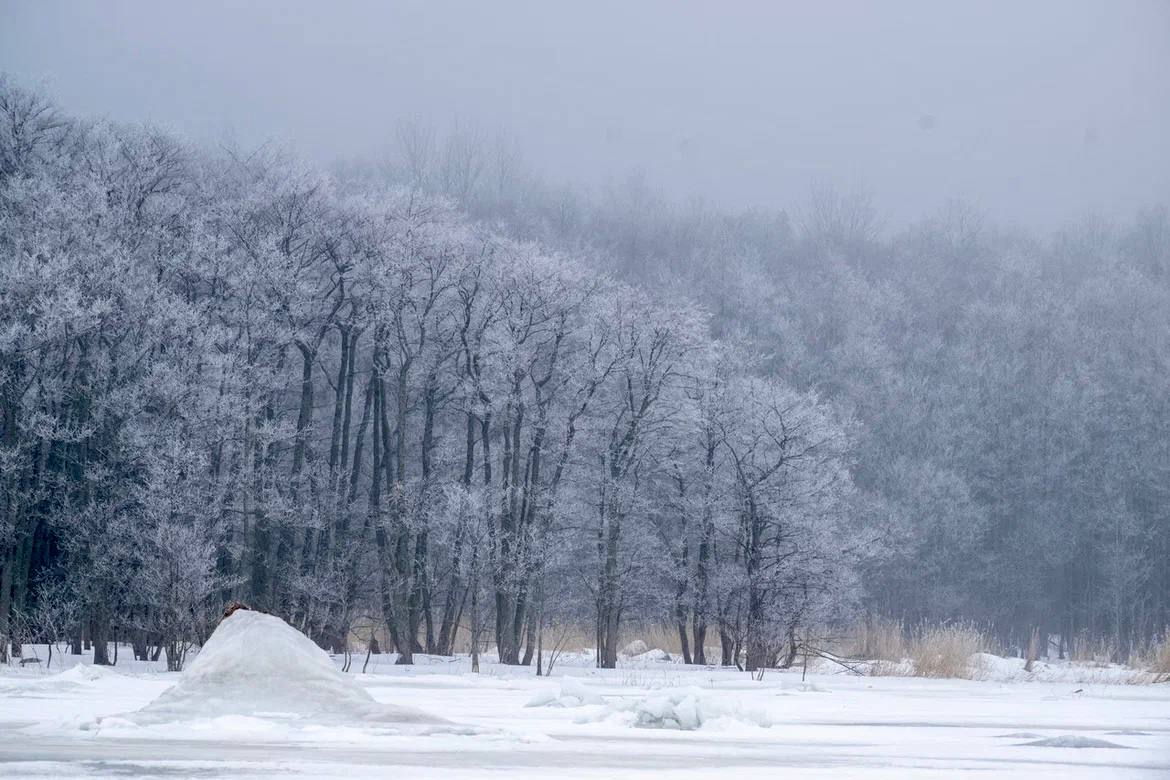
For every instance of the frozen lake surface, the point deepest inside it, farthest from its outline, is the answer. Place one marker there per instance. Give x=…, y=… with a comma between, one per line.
x=584, y=722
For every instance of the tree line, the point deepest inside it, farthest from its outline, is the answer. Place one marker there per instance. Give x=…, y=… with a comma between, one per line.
x=227, y=376
x=439, y=395
x=1004, y=390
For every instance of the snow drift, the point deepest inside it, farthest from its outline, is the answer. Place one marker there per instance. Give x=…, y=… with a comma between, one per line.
x=257, y=665
x=79, y=676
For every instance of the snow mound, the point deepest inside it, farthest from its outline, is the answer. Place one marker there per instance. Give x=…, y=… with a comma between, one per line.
x=573, y=693
x=85, y=673
x=637, y=647
x=1073, y=741
x=683, y=709
x=257, y=665
x=74, y=677
x=654, y=654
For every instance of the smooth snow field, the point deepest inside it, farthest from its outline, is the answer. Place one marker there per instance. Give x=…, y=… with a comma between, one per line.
x=652, y=718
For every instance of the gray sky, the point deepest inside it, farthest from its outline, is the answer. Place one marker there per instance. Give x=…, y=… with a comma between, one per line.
x=1035, y=111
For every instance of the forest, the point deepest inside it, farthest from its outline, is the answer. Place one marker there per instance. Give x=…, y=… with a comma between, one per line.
x=433, y=395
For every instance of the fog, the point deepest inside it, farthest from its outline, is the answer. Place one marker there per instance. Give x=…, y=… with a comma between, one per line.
x=1037, y=113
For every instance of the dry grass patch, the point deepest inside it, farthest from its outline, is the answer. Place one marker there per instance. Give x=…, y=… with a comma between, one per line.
x=881, y=640
x=655, y=636
x=945, y=651
x=1155, y=657
x=881, y=643
x=1091, y=650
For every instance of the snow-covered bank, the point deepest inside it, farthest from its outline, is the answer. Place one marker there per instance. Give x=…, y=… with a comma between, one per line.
x=983, y=666
x=994, y=668
x=623, y=724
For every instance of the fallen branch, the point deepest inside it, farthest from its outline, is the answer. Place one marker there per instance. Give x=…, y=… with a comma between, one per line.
x=830, y=657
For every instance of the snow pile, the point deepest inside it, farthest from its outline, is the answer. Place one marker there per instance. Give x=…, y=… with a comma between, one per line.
x=682, y=709
x=637, y=647
x=1073, y=741
x=639, y=652
x=257, y=665
x=85, y=673
x=654, y=654
x=573, y=693
x=999, y=669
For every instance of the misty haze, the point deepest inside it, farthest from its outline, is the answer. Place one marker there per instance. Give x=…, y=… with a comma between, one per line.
x=647, y=389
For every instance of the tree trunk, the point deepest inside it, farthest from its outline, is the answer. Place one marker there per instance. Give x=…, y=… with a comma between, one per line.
x=139, y=645
x=699, y=632
x=99, y=627
x=339, y=395
x=610, y=617
x=305, y=411
x=535, y=628
x=506, y=542
x=474, y=611
x=395, y=472
x=793, y=649
x=7, y=564
x=727, y=649
x=387, y=565
x=456, y=591
x=420, y=594
x=681, y=620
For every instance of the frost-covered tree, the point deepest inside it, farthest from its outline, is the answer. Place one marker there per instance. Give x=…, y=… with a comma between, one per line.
x=439, y=397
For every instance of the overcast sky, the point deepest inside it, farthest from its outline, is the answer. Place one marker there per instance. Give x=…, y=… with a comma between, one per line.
x=1037, y=112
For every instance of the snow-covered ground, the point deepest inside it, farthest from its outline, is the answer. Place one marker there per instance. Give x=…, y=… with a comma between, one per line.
x=651, y=718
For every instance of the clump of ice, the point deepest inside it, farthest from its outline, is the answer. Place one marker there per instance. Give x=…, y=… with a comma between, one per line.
x=682, y=709
x=257, y=665
x=679, y=710
x=1073, y=741
x=572, y=693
